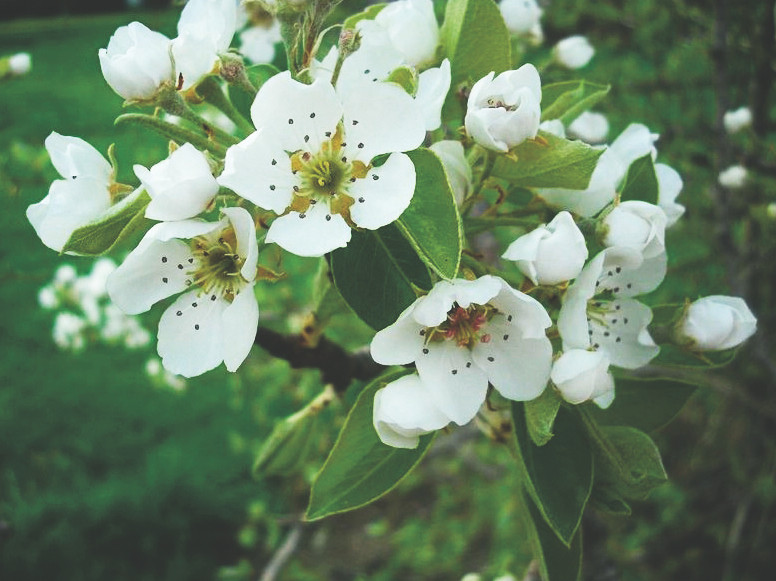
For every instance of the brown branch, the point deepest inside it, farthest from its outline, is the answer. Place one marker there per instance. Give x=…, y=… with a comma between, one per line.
x=337, y=366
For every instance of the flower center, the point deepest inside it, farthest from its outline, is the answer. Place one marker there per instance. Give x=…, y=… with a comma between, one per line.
x=465, y=326
x=498, y=103
x=217, y=264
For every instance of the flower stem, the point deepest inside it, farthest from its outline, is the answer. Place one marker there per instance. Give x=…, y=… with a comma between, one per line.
x=211, y=91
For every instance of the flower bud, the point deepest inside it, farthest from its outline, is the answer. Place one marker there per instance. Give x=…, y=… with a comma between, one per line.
x=412, y=28
x=717, y=322
x=521, y=16
x=638, y=225
x=136, y=62
x=504, y=111
x=458, y=171
x=733, y=177
x=574, y=52
x=737, y=120
x=582, y=375
x=550, y=254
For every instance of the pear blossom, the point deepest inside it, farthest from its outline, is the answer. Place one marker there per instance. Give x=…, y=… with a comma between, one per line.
x=551, y=253
x=81, y=196
x=573, y=52
x=462, y=336
x=20, y=63
x=733, y=177
x=590, y=127
x=410, y=26
x=554, y=127
x=205, y=30
x=599, y=313
x=735, y=121
x=136, y=62
x=717, y=322
x=669, y=184
x=180, y=186
x=458, y=170
x=257, y=43
x=582, y=375
x=522, y=17
x=216, y=317
x=634, y=142
x=504, y=111
x=638, y=225
x=310, y=160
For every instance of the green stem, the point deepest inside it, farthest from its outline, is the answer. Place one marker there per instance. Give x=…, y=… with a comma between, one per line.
x=211, y=91
x=173, y=103
x=171, y=131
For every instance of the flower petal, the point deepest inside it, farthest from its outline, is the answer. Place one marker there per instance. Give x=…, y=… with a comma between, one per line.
x=431, y=310
x=313, y=233
x=622, y=333
x=191, y=334
x=245, y=232
x=384, y=193
x=298, y=116
x=403, y=410
x=457, y=386
x=399, y=343
x=433, y=86
x=240, y=321
x=73, y=157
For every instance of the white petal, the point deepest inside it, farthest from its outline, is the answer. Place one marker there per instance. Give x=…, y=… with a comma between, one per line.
x=245, y=232
x=194, y=58
x=718, y=322
x=627, y=277
x=149, y=274
x=432, y=309
x=259, y=171
x=634, y=142
x=623, y=335
x=572, y=321
x=399, y=343
x=72, y=156
x=289, y=111
x=457, y=386
x=384, y=193
x=578, y=373
x=518, y=368
x=212, y=20
x=669, y=187
x=524, y=251
x=404, y=410
x=313, y=233
x=528, y=314
x=381, y=118
x=433, y=86
x=191, y=334
x=240, y=321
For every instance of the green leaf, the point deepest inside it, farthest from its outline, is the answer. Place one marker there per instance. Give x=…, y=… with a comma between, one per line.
x=557, y=562
x=375, y=274
x=567, y=100
x=549, y=162
x=540, y=416
x=641, y=181
x=288, y=447
x=360, y=468
x=118, y=222
x=431, y=223
x=628, y=461
x=559, y=475
x=605, y=499
x=369, y=14
x=258, y=75
x=646, y=405
x=476, y=41
x=406, y=78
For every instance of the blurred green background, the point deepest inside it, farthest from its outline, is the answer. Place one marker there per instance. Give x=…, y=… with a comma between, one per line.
x=106, y=475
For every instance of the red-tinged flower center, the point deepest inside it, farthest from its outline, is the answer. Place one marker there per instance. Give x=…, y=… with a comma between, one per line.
x=465, y=326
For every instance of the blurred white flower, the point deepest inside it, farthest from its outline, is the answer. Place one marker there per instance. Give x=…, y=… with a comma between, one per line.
x=589, y=127
x=522, y=17
x=411, y=27
x=257, y=43
x=68, y=332
x=582, y=375
x=504, y=111
x=20, y=63
x=733, y=177
x=554, y=126
x=573, y=52
x=458, y=170
x=737, y=120
x=717, y=322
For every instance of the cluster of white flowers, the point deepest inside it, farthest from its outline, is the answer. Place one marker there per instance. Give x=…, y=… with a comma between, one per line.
x=331, y=155
x=84, y=314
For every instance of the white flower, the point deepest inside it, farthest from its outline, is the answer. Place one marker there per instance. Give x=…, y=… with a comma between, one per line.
x=633, y=143
x=310, y=160
x=136, y=62
x=47, y=298
x=411, y=27
x=258, y=42
x=553, y=126
x=205, y=31
x=669, y=184
x=521, y=16
x=77, y=199
x=717, y=322
x=20, y=63
x=598, y=312
x=68, y=331
x=458, y=170
x=590, y=127
x=582, y=375
x=574, y=52
x=550, y=254
x=638, y=225
x=733, y=177
x=433, y=86
x=215, y=319
x=504, y=111
x=180, y=186
x=737, y=120
x=462, y=336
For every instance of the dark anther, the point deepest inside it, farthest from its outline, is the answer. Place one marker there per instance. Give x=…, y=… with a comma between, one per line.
x=196, y=327
x=179, y=313
x=164, y=279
